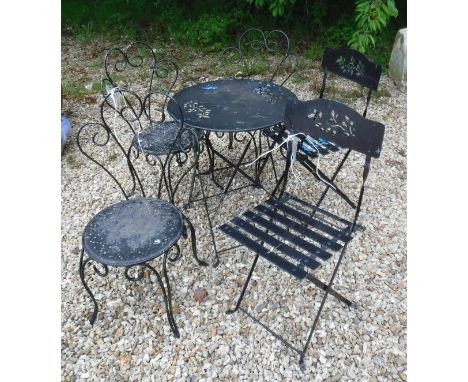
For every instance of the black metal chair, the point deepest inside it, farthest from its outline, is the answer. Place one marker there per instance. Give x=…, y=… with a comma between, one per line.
x=142, y=70
x=145, y=127
x=265, y=55
x=293, y=234
x=139, y=68
x=132, y=232
x=353, y=66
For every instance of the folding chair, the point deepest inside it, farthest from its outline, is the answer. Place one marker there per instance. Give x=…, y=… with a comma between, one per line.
x=293, y=234
x=351, y=65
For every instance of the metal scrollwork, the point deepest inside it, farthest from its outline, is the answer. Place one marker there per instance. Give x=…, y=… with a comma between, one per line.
x=100, y=138
x=162, y=69
x=122, y=106
x=153, y=160
x=118, y=65
x=118, y=60
x=134, y=56
x=240, y=136
x=176, y=255
x=104, y=272
x=82, y=268
x=254, y=40
x=139, y=274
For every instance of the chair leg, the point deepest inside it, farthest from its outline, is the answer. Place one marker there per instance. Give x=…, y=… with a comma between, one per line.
x=241, y=297
x=337, y=170
x=82, y=277
x=192, y=180
x=236, y=168
x=166, y=296
x=211, y=156
x=193, y=239
x=332, y=291
x=319, y=312
x=210, y=225
x=263, y=161
x=168, y=299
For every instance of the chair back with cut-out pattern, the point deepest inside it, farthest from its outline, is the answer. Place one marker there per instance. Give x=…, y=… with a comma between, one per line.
x=352, y=65
x=339, y=124
x=335, y=122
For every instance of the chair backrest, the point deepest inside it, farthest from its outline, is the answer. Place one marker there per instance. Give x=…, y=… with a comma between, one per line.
x=258, y=52
x=352, y=65
x=138, y=67
x=335, y=122
x=338, y=124
x=111, y=145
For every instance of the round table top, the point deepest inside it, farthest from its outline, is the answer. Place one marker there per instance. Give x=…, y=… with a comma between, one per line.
x=232, y=105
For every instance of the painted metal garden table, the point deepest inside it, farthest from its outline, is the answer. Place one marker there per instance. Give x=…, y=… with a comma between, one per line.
x=234, y=107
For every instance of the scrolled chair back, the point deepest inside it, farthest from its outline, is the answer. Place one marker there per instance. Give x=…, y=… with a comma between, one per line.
x=258, y=52
x=140, y=68
x=112, y=144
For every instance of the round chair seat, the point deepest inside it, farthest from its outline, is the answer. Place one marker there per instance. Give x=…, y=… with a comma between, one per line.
x=132, y=231
x=159, y=138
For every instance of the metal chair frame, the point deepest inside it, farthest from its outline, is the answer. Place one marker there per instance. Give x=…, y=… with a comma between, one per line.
x=118, y=60
x=258, y=227
x=103, y=134
x=254, y=40
x=353, y=66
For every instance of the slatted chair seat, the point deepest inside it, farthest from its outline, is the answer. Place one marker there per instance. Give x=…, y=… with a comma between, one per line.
x=291, y=233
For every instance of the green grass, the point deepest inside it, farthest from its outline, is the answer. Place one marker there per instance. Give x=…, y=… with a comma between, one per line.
x=76, y=88
x=298, y=79
x=72, y=161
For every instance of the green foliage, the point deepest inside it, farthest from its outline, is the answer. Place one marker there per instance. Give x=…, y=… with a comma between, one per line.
x=276, y=7
x=298, y=79
x=371, y=17
x=205, y=26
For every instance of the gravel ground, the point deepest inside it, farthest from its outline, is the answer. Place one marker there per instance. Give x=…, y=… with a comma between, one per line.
x=131, y=340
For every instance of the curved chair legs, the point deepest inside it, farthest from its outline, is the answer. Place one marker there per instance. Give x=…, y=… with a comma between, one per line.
x=167, y=296
x=166, y=290
x=82, y=277
x=194, y=242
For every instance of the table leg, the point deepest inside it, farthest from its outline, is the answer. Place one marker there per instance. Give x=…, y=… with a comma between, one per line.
x=210, y=225
x=236, y=169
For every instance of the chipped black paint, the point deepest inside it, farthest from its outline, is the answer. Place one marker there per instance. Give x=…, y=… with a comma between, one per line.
x=132, y=231
x=159, y=138
x=233, y=105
